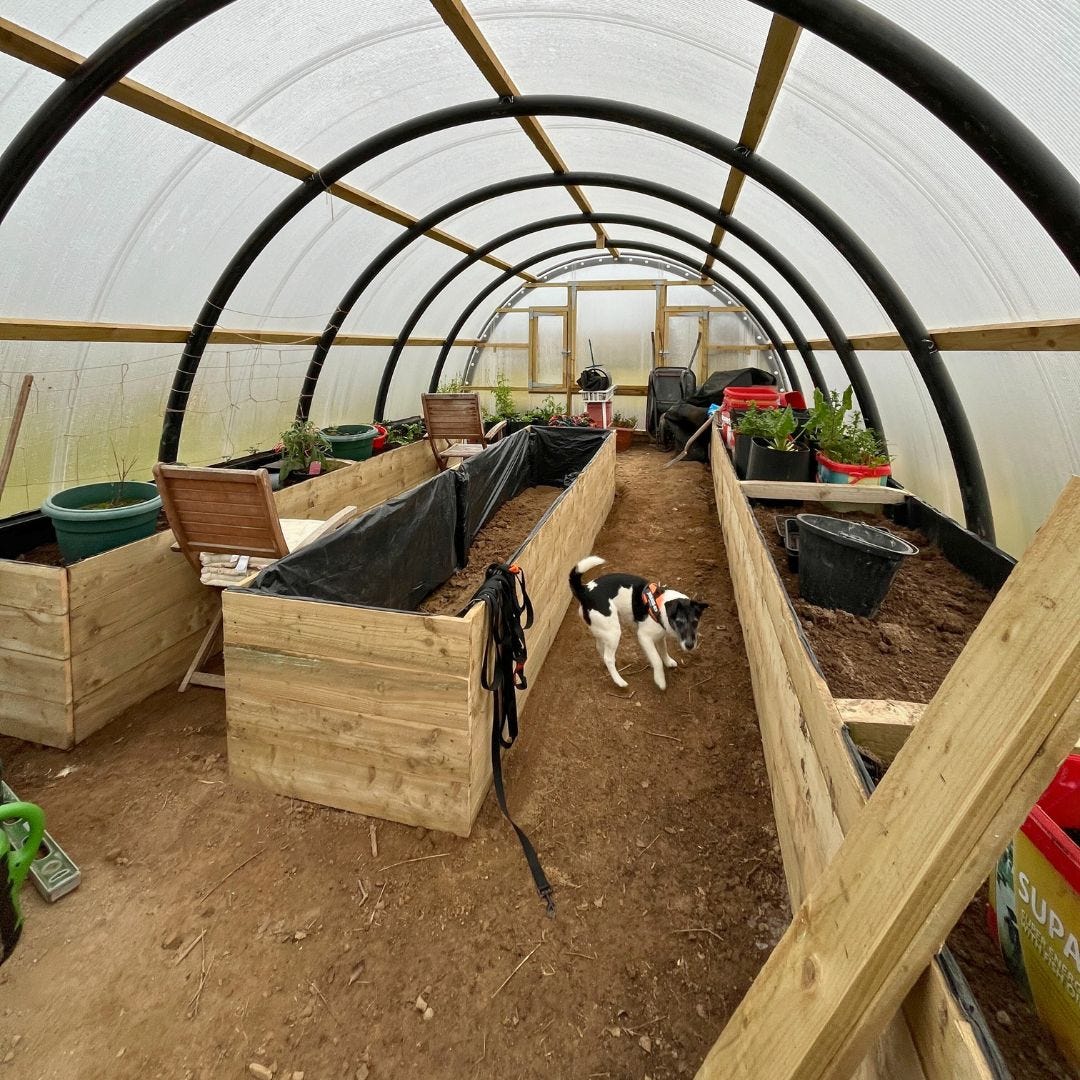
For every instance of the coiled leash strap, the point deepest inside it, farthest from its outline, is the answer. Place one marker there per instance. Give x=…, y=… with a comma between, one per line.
x=509, y=615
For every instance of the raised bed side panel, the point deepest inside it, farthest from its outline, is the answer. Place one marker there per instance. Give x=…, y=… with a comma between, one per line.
x=566, y=535
x=816, y=790
x=35, y=651
x=363, y=485
x=137, y=614
x=359, y=708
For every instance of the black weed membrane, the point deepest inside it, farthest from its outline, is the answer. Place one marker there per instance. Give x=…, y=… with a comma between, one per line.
x=396, y=554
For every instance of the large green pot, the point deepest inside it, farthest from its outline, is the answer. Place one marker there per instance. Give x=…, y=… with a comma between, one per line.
x=82, y=533
x=353, y=442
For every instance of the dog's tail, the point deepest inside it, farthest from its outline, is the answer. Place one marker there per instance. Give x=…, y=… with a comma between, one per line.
x=583, y=567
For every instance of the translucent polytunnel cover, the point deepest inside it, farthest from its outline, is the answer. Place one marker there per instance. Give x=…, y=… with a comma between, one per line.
x=134, y=216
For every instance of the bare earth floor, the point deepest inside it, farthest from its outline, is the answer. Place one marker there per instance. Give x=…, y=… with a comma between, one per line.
x=218, y=927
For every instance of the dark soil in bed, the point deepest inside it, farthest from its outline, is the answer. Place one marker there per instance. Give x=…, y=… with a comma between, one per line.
x=650, y=810
x=495, y=542
x=905, y=653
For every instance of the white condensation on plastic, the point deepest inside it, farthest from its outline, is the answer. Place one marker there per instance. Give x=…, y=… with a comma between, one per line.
x=1024, y=410
x=694, y=59
x=958, y=242
x=1024, y=53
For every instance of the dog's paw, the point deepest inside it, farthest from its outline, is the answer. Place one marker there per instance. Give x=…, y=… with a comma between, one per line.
x=622, y=684
x=670, y=663
x=661, y=682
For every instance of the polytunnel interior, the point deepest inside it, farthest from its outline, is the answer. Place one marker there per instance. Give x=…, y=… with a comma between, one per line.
x=772, y=858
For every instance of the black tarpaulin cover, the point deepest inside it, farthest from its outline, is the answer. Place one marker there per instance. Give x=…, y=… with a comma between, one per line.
x=395, y=554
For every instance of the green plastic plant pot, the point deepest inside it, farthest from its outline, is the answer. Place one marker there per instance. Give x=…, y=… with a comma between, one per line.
x=353, y=442
x=82, y=533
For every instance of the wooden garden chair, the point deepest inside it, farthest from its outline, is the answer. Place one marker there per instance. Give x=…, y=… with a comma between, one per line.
x=455, y=419
x=216, y=514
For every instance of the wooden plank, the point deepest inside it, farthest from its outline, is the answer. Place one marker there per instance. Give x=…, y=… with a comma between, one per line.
x=988, y=744
x=866, y=494
x=325, y=777
x=25, y=329
x=776, y=57
x=42, y=677
x=564, y=537
x=30, y=717
x=390, y=641
x=32, y=587
x=947, y=1048
x=880, y=725
x=34, y=49
x=808, y=823
x=96, y=708
x=37, y=632
x=462, y=25
x=1045, y=335
x=363, y=485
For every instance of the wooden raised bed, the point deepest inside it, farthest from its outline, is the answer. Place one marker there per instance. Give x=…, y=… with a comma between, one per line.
x=382, y=712
x=79, y=644
x=817, y=788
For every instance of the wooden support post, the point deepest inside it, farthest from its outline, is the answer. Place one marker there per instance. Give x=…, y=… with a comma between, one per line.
x=13, y=431
x=988, y=744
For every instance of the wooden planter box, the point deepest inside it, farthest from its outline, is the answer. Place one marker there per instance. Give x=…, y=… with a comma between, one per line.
x=382, y=712
x=817, y=789
x=79, y=644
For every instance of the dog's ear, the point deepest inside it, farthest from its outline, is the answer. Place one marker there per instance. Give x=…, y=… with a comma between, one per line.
x=699, y=605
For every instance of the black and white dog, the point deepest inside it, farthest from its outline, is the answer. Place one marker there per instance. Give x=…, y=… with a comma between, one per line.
x=656, y=611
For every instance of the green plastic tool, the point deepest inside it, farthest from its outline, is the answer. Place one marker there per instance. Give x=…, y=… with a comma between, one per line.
x=15, y=864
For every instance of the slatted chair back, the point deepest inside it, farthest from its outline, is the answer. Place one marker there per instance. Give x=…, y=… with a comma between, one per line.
x=453, y=416
x=221, y=512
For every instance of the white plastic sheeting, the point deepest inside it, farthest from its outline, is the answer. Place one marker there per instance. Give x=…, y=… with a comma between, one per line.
x=132, y=220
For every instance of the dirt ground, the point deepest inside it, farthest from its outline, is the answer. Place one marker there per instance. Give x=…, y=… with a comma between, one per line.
x=218, y=927
x=905, y=652
x=931, y=610
x=495, y=542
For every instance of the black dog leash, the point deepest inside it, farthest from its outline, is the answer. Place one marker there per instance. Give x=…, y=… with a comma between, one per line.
x=509, y=615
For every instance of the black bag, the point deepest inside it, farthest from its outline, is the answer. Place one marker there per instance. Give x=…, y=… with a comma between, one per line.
x=667, y=386
x=594, y=378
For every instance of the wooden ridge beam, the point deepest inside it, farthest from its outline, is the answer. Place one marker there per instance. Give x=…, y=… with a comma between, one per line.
x=47, y=55
x=987, y=745
x=1045, y=335
x=462, y=25
x=775, y=59
x=64, y=330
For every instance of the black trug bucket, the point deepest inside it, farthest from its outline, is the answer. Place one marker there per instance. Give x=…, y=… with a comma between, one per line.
x=847, y=565
x=765, y=463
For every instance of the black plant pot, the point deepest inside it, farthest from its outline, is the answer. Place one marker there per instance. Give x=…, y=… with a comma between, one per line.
x=786, y=466
x=740, y=456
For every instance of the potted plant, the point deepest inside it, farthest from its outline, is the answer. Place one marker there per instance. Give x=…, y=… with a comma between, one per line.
x=753, y=422
x=352, y=442
x=304, y=451
x=570, y=420
x=777, y=455
x=93, y=518
x=624, y=431
x=504, y=409
x=848, y=452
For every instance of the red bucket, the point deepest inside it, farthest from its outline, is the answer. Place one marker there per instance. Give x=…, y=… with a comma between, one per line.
x=737, y=399
x=380, y=439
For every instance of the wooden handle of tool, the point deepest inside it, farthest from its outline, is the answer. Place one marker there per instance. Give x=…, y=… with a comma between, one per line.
x=13, y=433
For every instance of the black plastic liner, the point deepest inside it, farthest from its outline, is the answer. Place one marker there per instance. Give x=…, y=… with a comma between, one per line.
x=397, y=553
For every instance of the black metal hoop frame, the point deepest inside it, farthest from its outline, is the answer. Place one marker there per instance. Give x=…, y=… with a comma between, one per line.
x=1032, y=172
x=674, y=257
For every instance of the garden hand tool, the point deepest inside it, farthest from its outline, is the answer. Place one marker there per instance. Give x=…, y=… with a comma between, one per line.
x=15, y=864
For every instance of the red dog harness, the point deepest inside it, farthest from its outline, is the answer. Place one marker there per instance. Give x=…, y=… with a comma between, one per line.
x=653, y=595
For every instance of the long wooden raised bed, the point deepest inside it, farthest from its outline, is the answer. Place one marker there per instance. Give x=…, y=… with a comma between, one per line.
x=79, y=644
x=817, y=789
x=382, y=712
